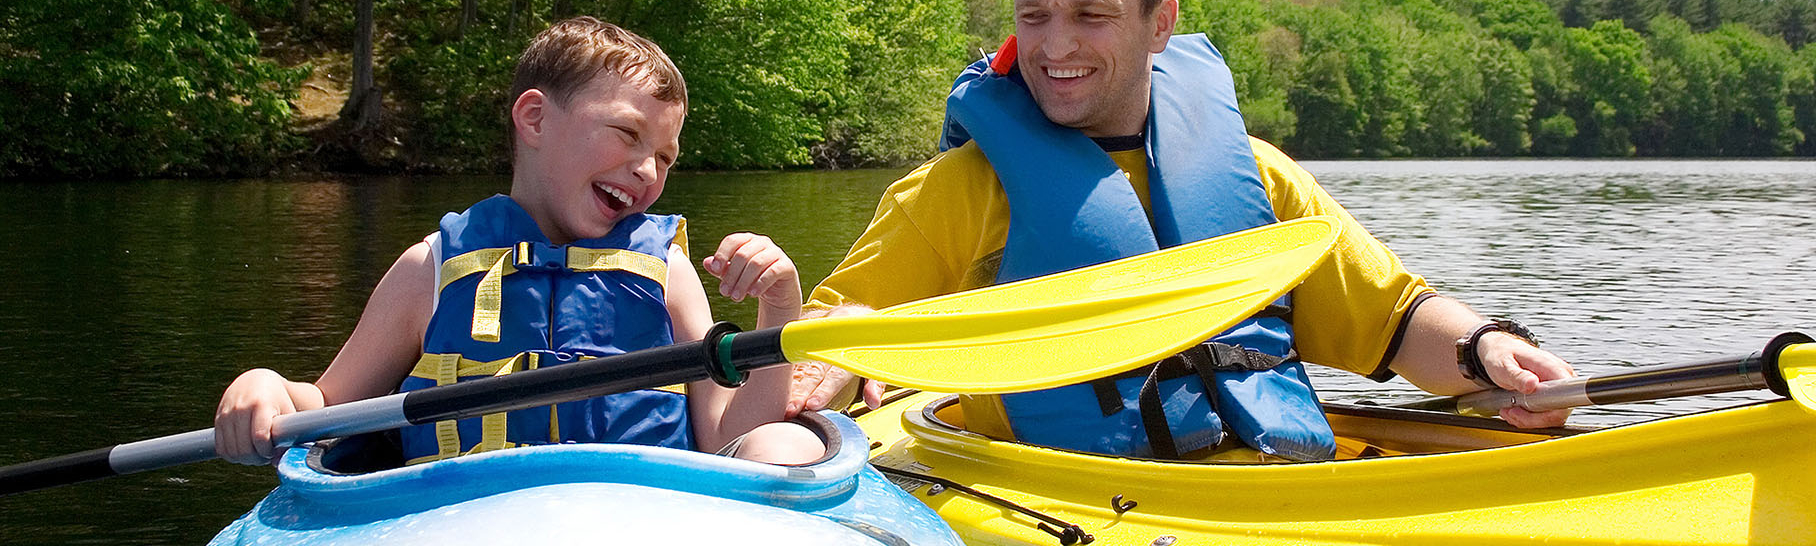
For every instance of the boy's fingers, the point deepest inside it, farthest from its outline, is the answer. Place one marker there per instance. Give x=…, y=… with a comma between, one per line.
x=749, y=280
x=736, y=263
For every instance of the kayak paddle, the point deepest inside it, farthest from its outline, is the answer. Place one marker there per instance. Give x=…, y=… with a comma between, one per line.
x=1787, y=366
x=1037, y=333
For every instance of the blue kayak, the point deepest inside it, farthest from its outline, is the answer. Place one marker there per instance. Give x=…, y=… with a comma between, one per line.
x=589, y=493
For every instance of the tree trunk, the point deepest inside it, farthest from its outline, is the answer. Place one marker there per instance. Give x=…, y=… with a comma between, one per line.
x=364, y=103
x=510, y=22
x=468, y=9
x=302, y=12
x=560, y=10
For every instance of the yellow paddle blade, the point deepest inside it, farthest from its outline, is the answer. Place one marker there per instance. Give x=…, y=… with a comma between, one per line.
x=1798, y=365
x=1071, y=326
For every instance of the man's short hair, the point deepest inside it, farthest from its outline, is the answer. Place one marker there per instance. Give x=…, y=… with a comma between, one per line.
x=566, y=57
x=1147, y=7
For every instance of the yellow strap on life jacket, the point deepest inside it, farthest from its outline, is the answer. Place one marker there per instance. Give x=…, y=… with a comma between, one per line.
x=488, y=298
x=612, y=259
x=447, y=369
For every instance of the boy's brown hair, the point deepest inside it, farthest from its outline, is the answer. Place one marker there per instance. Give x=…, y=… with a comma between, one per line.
x=567, y=56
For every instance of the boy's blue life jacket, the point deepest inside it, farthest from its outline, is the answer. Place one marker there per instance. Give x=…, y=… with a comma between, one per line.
x=1071, y=206
x=507, y=300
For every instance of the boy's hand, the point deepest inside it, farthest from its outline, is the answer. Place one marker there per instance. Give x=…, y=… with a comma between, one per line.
x=242, y=422
x=749, y=264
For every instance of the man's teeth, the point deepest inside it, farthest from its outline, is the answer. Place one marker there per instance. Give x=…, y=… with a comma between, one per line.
x=1067, y=72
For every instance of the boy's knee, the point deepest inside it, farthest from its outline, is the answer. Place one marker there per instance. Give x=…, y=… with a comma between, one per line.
x=782, y=443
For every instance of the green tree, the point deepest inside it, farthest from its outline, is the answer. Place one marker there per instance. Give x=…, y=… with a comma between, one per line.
x=1693, y=78
x=1793, y=22
x=137, y=88
x=1330, y=120
x=1502, y=115
x=1801, y=80
x=903, y=57
x=1761, y=121
x=1449, y=88
x=1261, y=58
x=1517, y=21
x=760, y=82
x=987, y=23
x=1597, y=76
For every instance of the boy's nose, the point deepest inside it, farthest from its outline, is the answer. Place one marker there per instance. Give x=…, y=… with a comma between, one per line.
x=647, y=169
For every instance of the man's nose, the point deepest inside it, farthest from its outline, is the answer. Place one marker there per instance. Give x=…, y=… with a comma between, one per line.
x=1060, y=41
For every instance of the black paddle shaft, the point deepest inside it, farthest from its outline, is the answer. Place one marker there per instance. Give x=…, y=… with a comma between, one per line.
x=679, y=363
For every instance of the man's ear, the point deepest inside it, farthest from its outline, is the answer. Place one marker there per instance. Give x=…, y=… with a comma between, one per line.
x=1166, y=19
x=527, y=114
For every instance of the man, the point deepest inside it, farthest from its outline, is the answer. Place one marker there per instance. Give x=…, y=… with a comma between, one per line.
x=1096, y=78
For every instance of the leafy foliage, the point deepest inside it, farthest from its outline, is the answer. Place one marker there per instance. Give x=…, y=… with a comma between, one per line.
x=902, y=58
x=181, y=87
x=137, y=88
x=759, y=81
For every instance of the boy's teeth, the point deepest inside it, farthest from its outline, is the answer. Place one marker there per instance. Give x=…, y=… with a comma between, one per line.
x=619, y=194
x=1067, y=72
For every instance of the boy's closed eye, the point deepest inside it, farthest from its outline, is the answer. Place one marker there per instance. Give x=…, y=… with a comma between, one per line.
x=629, y=133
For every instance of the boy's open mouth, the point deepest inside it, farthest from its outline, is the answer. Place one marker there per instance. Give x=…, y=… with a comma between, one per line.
x=614, y=198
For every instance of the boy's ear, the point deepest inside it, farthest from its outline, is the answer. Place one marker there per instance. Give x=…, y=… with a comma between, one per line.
x=527, y=116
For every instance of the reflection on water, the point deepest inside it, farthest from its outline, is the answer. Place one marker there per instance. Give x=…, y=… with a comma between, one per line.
x=127, y=307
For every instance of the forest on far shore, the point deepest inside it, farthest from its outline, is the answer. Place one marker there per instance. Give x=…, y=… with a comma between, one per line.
x=201, y=88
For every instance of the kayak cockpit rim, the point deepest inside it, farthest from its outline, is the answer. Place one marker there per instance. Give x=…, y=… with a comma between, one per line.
x=376, y=451
x=1416, y=431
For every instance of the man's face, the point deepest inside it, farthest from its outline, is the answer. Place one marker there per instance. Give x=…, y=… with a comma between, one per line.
x=1087, y=61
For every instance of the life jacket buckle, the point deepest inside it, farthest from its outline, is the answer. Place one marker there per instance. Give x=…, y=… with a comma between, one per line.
x=531, y=256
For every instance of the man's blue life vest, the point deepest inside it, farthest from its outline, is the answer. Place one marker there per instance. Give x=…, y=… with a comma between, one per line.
x=1071, y=206
x=507, y=300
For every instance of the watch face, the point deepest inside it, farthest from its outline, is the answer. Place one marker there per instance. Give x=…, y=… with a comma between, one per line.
x=1514, y=327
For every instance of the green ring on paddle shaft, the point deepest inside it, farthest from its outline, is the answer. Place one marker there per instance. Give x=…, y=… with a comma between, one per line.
x=732, y=377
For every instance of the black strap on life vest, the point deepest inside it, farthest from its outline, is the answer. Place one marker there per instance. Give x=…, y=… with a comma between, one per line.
x=1203, y=360
x=1110, y=401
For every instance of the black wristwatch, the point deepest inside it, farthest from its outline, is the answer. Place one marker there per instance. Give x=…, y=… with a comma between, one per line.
x=1469, y=362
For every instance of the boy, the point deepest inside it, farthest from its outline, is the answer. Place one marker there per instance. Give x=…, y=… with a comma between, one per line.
x=567, y=266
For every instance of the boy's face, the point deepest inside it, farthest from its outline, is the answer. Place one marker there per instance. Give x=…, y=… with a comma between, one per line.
x=604, y=156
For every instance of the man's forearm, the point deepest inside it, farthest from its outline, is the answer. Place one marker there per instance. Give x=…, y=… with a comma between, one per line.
x=1428, y=353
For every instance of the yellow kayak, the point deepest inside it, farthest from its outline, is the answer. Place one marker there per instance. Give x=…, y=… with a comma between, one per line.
x=1742, y=475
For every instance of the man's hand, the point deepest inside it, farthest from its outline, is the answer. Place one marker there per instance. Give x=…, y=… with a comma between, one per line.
x=1518, y=366
x=817, y=384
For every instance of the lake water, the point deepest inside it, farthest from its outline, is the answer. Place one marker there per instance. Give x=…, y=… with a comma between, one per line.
x=126, y=307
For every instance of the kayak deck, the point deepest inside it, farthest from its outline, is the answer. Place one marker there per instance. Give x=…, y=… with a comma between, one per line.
x=588, y=493
x=1736, y=476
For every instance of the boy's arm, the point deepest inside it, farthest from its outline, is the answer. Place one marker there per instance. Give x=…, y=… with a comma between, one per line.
x=747, y=265
x=384, y=346
x=387, y=342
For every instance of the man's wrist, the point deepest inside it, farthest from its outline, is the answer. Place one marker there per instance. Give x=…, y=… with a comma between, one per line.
x=1469, y=357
